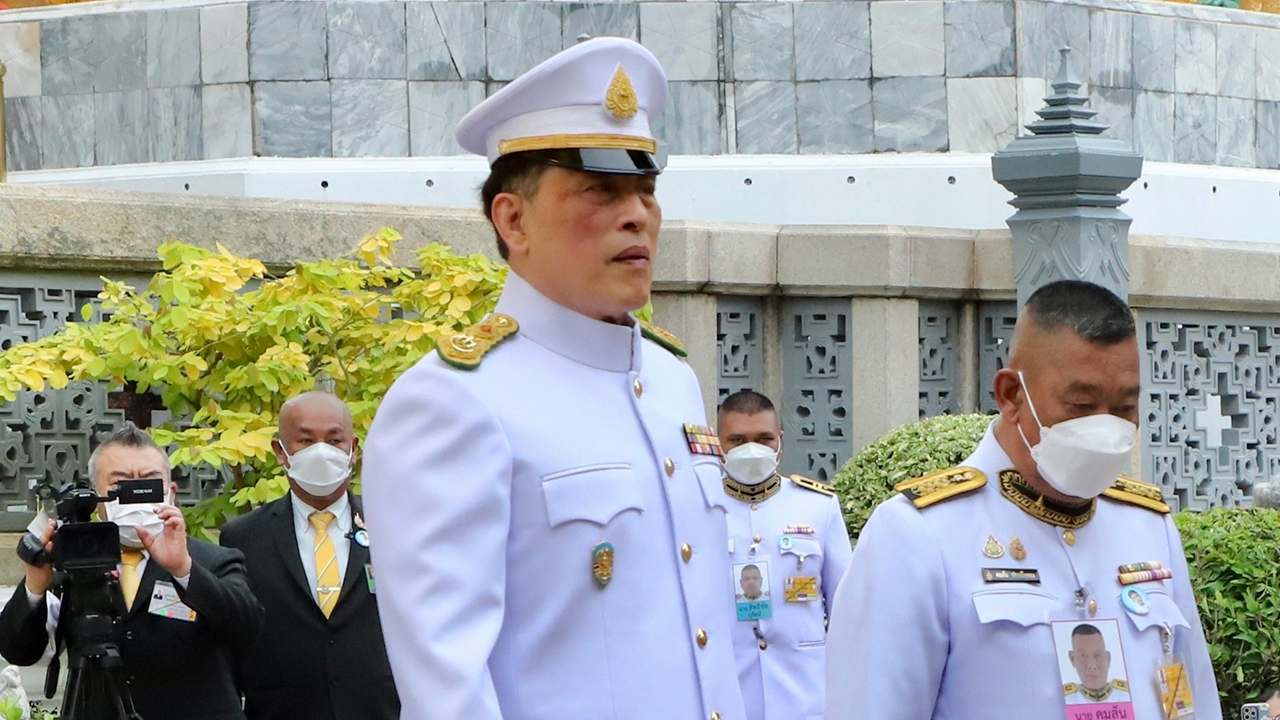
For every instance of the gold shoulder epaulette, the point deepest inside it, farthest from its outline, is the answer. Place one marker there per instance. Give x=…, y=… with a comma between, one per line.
x=663, y=338
x=466, y=349
x=1120, y=685
x=1069, y=688
x=814, y=485
x=1142, y=494
x=942, y=485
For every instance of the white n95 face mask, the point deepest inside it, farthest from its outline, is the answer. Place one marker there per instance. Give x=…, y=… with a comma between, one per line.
x=1084, y=456
x=131, y=516
x=751, y=463
x=319, y=469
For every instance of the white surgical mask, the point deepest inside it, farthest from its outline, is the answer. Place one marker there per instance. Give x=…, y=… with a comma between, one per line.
x=751, y=463
x=131, y=516
x=1084, y=456
x=319, y=469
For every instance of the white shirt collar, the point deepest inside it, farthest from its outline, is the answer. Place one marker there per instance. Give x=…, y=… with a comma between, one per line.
x=592, y=342
x=302, y=512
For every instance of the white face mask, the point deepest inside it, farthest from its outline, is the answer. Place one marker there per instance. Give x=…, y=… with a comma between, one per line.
x=1081, y=457
x=751, y=463
x=319, y=469
x=131, y=516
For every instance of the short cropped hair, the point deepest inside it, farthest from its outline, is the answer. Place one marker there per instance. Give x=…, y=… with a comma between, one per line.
x=1091, y=311
x=1084, y=629
x=747, y=402
x=130, y=436
x=518, y=173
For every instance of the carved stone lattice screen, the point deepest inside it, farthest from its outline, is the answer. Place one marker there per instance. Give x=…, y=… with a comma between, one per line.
x=995, y=330
x=1210, y=405
x=939, y=358
x=817, y=370
x=738, y=335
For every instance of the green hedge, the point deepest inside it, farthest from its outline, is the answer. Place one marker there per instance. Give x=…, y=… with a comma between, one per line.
x=1234, y=555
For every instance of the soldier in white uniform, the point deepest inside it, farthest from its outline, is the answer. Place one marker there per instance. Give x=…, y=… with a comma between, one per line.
x=795, y=528
x=946, y=609
x=548, y=537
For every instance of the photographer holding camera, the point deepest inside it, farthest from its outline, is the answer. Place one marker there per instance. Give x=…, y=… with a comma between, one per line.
x=184, y=604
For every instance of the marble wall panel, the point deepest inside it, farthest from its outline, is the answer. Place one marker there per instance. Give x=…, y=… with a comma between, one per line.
x=23, y=120
x=1237, y=64
x=292, y=119
x=1154, y=43
x=910, y=114
x=982, y=113
x=173, y=47
x=226, y=120
x=1195, y=129
x=980, y=38
x=520, y=35
x=685, y=37
x=1153, y=125
x=1237, y=140
x=288, y=40
x=175, y=124
x=366, y=40
x=1111, y=48
x=446, y=40
x=833, y=40
x=835, y=117
x=763, y=41
x=370, y=118
x=434, y=111
x=93, y=53
x=121, y=128
x=1268, y=134
x=224, y=43
x=907, y=38
x=66, y=131
x=1195, y=58
x=600, y=19
x=693, y=121
x=1045, y=28
x=765, y=113
x=20, y=53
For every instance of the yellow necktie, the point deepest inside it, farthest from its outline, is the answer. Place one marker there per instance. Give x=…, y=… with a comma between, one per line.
x=328, y=581
x=129, y=579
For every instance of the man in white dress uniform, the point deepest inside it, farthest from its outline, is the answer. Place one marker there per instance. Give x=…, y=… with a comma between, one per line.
x=947, y=610
x=545, y=514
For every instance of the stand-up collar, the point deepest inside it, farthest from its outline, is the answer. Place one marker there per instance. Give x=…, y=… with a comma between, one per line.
x=594, y=343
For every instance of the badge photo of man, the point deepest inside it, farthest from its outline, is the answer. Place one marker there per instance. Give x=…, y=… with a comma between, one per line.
x=795, y=525
x=967, y=569
x=1092, y=662
x=321, y=655
x=189, y=606
x=547, y=525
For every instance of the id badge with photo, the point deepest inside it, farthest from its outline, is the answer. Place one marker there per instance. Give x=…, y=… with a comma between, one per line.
x=1173, y=681
x=165, y=603
x=1091, y=662
x=751, y=591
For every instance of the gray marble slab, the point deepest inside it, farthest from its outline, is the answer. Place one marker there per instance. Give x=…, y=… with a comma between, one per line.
x=66, y=131
x=1195, y=129
x=173, y=47
x=765, y=113
x=910, y=114
x=226, y=119
x=494, y=86
x=292, y=119
x=763, y=41
x=445, y=40
x=224, y=43
x=1268, y=134
x=835, y=117
x=519, y=35
x=370, y=118
x=907, y=38
x=1237, y=140
x=1237, y=61
x=982, y=113
x=367, y=40
x=1268, y=59
x=693, y=121
x=20, y=52
x=1153, y=125
x=22, y=118
x=833, y=40
x=434, y=111
x=121, y=131
x=1111, y=49
x=980, y=40
x=93, y=53
x=1115, y=108
x=1045, y=28
x=288, y=41
x=1154, y=45
x=684, y=37
x=1195, y=67
x=600, y=19
x=175, y=124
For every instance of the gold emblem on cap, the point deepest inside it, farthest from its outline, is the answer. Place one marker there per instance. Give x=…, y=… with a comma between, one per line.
x=621, y=96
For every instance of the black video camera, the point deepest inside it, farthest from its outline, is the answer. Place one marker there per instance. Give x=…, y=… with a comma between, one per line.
x=80, y=545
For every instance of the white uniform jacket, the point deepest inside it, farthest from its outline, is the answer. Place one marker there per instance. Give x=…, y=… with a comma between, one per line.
x=782, y=667
x=486, y=493
x=917, y=633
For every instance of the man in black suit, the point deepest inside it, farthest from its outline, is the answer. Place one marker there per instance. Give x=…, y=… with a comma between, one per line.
x=189, y=606
x=321, y=656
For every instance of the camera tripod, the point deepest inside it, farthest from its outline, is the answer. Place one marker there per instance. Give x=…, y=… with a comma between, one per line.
x=96, y=687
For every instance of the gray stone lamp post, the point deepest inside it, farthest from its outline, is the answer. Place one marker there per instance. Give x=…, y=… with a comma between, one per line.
x=1068, y=180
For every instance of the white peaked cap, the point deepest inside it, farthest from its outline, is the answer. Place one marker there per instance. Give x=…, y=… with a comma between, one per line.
x=597, y=95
